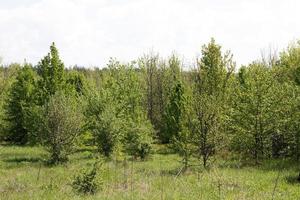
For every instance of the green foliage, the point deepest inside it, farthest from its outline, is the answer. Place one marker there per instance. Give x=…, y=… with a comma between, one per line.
x=137, y=138
x=210, y=99
x=174, y=111
x=51, y=71
x=202, y=112
x=120, y=124
x=145, y=180
x=76, y=81
x=107, y=132
x=86, y=182
x=252, y=110
x=262, y=111
x=290, y=63
x=20, y=99
x=61, y=123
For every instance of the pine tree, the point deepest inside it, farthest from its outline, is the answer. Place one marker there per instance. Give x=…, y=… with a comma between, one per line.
x=51, y=71
x=19, y=101
x=174, y=111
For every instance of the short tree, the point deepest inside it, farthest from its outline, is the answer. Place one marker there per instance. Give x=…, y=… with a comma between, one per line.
x=137, y=138
x=61, y=125
x=116, y=116
x=87, y=181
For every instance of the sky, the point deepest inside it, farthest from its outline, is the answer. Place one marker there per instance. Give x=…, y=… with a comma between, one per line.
x=89, y=32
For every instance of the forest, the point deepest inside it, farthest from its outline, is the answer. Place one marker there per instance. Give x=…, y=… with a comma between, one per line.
x=152, y=128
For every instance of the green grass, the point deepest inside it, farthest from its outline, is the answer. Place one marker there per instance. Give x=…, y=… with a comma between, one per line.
x=25, y=175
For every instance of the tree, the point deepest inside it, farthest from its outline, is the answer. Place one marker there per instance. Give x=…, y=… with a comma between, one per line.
x=171, y=83
x=289, y=69
x=209, y=98
x=76, y=81
x=121, y=124
x=260, y=113
x=183, y=140
x=137, y=129
x=174, y=111
x=62, y=123
x=19, y=101
x=8, y=76
x=149, y=66
x=103, y=121
x=51, y=71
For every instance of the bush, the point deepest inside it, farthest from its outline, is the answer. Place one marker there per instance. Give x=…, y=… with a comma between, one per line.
x=86, y=182
x=107, y=133
x=137, y=139
x=144, y=150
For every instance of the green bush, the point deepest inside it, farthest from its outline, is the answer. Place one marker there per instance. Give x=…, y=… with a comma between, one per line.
x=62, y=123
x=144, y=150
x=137, y=139
x=86, y=182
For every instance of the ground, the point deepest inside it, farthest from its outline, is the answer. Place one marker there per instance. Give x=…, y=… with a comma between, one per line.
x=24, y=174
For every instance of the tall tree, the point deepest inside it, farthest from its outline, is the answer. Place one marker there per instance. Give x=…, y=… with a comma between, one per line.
x=289, y=70
x=20, y=99
x=211, y=78
x=175, y=111
x=259, y=112
x=170, y=83
x=51, y=71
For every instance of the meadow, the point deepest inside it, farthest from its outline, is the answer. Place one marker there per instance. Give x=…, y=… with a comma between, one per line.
x=25, y=174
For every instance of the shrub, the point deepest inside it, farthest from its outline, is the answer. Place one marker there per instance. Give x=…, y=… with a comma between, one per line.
x=107, y=132
x=137, y=139
x=86, y=182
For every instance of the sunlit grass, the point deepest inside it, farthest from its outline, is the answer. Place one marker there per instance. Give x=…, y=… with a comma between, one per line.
x=24, y=174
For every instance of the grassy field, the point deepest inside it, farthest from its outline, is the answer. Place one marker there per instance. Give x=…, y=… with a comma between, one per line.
x=25, y=175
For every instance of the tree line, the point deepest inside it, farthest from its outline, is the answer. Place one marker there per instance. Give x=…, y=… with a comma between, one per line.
x=211, y=108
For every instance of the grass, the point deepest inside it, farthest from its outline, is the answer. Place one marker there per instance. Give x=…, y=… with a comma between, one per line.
x=24, y=174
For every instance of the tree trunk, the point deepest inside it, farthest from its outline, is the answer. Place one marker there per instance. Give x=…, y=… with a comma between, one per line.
x=204, y=161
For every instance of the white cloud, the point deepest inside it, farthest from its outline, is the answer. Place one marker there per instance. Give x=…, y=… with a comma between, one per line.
x=88, y=32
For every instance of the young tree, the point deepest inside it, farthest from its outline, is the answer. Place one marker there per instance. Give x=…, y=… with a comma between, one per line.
x=76, y=82
x=171, y=83
x=62, y=123
x=183, y=120
x=137, y=129
x=258, y=114
x=8, y=75
x=209, y=98
x=175, y=110
x=120, y=124
x=20, y=99
x=51, y=71
x=103, y=122
x=289, y=69
x=149, y=65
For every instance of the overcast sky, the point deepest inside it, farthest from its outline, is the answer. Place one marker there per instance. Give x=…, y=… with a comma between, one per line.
x=89, y=32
